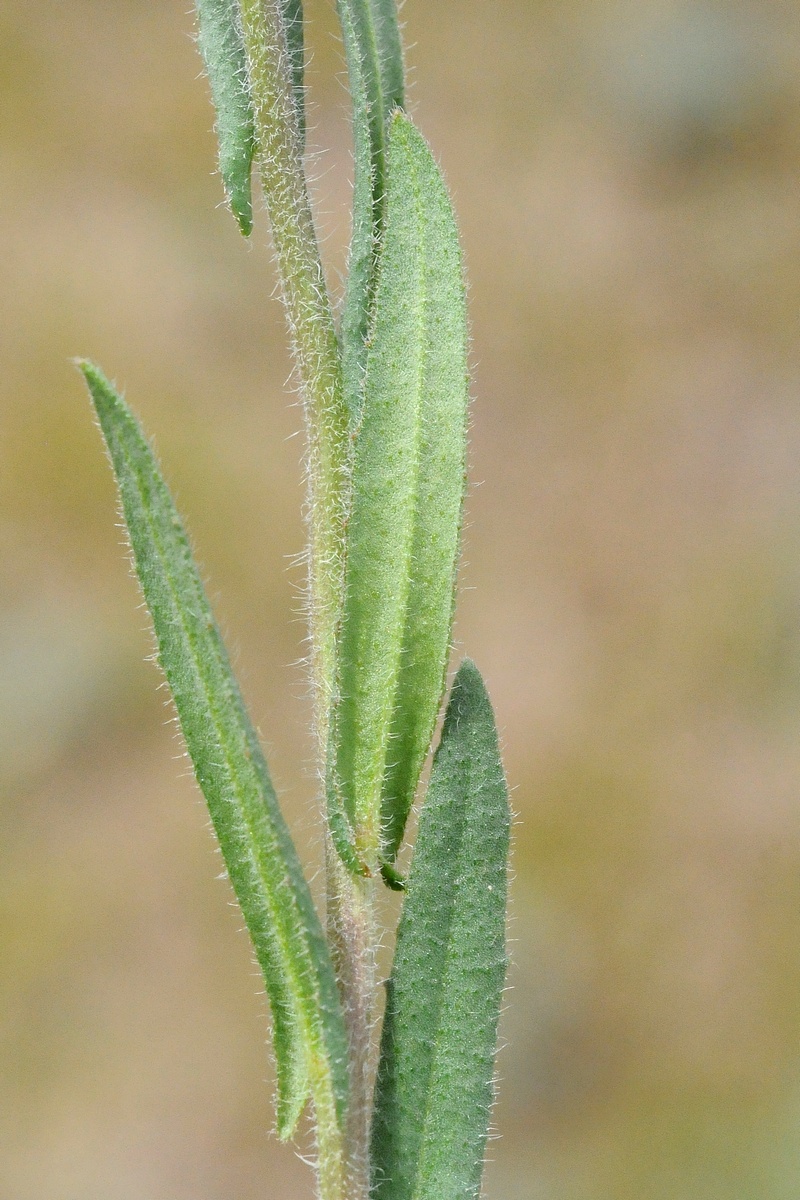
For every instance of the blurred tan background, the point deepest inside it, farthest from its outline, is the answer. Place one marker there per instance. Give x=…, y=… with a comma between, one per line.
x=626, y=177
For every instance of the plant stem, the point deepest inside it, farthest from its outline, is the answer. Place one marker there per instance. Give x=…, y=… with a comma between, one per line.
x=313, y=333
x=310, y=316
x=352, y=937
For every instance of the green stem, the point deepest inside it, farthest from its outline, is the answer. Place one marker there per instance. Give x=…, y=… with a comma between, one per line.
x=351, y=932
x=310, y=316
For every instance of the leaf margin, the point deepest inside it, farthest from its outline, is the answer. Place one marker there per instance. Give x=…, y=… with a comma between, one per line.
x=312, y=1030
x=406, y=508
x=435, y=1081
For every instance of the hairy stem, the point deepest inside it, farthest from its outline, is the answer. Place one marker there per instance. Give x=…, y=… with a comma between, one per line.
x=352, y=938
x=311, y=324
x=310, y=316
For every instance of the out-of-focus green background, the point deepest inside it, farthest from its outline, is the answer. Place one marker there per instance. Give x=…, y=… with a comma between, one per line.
x=626, y=178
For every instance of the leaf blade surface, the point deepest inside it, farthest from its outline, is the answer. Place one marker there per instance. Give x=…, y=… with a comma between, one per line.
x=376, y=77
x=262, y=863
x=362, y=251
x=223, y=53
x=408, y=482
x=434, y=1085
x=373, y=34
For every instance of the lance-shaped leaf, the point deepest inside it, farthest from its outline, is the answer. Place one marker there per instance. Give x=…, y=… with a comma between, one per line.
x=223, y=52
x=375, y=72
x=363, y=238
x=385, y=37
x=434, y=1087
x=308, y=1026
x=372, y=36
x=407, y=494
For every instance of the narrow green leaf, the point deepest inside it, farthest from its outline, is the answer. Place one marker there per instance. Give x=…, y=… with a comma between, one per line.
x=308, y=1025
x=363, y=239
x=375, y=70
x=407, y=494
x=340, y=828
x=372, y=33
x=390, y=53
x=434, y=1087
x=223, y=52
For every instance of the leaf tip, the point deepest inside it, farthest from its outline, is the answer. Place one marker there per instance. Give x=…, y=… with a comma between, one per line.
x=244, y=221
x=399, y=121
x=84, y=365
x=289, y=1110
x=392, y=878
x=468, y=691
x=236, y=179
x=103, y=395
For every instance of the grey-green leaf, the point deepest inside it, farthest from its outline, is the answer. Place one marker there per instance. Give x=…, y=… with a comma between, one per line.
x=390, y=52
x=375, y=71
x=434, y=1088
x=363, y=239
x=223, y=52
x=308, y=1026
x=373, y=32
x=407, y=496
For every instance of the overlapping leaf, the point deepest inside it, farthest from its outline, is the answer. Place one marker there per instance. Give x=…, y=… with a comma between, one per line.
x=308, y=1027
x=223, y=53
x=434, y=1086
x=363, y=239
x=372, y=39
x=407, y=494
x=375, y=72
